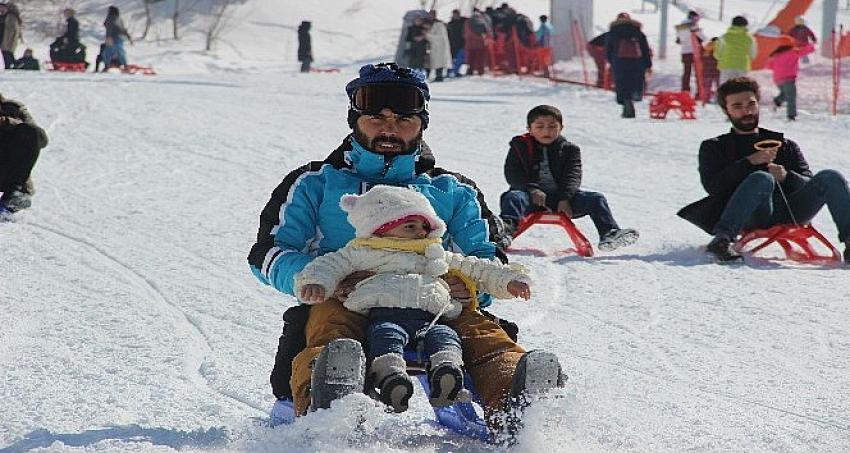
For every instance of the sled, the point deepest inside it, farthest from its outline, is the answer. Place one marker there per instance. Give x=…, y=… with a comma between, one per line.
x=582, y=245
x=461, y=418
x=134, y=69
x=325, y=70
x=664, y=101
x=795, y=241
x=60, y=66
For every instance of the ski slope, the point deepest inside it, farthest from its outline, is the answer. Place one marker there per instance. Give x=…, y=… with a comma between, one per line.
x=131, y=323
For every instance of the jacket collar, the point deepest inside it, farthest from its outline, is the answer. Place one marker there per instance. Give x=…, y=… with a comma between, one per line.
x=382, y=168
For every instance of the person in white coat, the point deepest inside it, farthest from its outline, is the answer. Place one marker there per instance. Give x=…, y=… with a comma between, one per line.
x=439, y=49
x=398, y=236
x=684, y=37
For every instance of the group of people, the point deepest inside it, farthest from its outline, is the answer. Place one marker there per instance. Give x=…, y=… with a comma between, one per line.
x=66, y=48
x=427, y=43
x=361, y=238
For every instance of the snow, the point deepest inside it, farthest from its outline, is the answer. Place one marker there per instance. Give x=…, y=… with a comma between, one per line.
x=130, y=321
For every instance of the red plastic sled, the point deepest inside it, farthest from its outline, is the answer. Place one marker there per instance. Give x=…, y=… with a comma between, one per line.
x=59, y=66
x=134, y=68
x=664, y=101
x=787, y=236
x=582, y=245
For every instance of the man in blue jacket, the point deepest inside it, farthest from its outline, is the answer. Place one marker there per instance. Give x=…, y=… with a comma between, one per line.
x=388, y=113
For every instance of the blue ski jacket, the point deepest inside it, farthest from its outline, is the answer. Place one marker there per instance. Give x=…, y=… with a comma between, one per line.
x=303, y=219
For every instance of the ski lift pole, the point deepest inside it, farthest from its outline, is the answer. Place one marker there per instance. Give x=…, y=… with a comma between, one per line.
x=578, y=37
x=834, y=57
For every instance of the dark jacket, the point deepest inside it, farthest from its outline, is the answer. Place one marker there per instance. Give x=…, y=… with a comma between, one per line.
x=624, y=36
x=305, y=44
x=455, y=29
x=14, y=109
x=72, y=30
x=522, y=166
x=722, y=167
x=115, y=28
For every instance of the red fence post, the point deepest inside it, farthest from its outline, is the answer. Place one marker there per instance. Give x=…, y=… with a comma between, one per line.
x=697, y=53
x=579, y=38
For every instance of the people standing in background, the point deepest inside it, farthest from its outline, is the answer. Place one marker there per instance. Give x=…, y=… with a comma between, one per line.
x=457, y=41
x=628, y=52
x=735, y=50
x=305, y=46
x=710, y=74
x=544, y=32
x=11, y=27
x=684, y=32
x=803, y=35
x=439, y=49
x=116, y=31
x=785, y=64
x=477, y=33
x=418, y=43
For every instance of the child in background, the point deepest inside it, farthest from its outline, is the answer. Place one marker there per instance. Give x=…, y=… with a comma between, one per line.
x=399, y=237
x=543, y=170
x=710, y=73
x=785, y=64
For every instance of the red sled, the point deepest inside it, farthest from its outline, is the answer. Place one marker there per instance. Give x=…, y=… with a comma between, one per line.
x=325, y=70
x=789, y=236
x=582, y=245
x=60, y=66
x=664, y=101
x=134, y=68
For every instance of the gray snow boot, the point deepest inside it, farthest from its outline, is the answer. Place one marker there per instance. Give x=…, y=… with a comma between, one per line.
x=339, y=370
x=536, y=373
x=389, y=373
x=445, y=376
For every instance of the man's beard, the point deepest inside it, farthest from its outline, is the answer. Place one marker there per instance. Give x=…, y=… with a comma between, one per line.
x=374, y=144
x=746, y=123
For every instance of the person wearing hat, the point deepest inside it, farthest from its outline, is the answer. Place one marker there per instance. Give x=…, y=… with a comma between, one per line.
x=684, y=32
x=631, y=61
x=21, y=141
x=784, y=61
x=399, y=236
x=803, y=35
x=735, y=50
x=303, y=219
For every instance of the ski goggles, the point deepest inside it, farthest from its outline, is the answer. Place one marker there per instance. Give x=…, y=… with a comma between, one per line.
x=401, y=99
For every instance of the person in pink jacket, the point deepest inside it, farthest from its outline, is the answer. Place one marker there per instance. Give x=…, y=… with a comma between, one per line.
x=785, y=64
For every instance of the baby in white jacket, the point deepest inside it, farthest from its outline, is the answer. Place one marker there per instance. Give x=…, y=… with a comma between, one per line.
x=398, y=236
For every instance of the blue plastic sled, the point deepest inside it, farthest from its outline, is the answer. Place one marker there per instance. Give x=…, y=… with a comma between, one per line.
x=459, y=417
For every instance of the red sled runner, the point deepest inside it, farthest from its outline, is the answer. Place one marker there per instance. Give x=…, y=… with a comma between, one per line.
x=582, y=245
x=60, y=66
x=789, y=236
x=664, y=101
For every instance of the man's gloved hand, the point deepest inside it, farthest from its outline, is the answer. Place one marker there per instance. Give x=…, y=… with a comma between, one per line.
x=458, y=290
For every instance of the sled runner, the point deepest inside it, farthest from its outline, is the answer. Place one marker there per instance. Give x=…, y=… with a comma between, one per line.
x=796, y=242
x=133, y=69
x=664, y=101
x=582, y=245
x=59, y=66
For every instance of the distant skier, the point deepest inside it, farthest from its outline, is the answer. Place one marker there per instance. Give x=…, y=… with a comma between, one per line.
x=543, y=170
x=21, y=140
x=305, y=46
x=398, y=236
x=748, y=188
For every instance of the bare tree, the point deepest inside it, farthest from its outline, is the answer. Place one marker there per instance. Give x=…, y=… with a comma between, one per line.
x=219, y=22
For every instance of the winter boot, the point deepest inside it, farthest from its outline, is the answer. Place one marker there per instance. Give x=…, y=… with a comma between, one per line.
x=617, y=238
x=389, y=373
x=628, y=109
x=5, y=213
x=338, y=371
x=536, y=373
x=16, y=200
x=721, y=249
x=445, y=377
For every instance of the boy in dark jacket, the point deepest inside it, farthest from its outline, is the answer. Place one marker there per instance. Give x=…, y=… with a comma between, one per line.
x=543, y=170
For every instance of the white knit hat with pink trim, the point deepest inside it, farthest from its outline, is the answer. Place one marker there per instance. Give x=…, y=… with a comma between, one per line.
x=385, y=204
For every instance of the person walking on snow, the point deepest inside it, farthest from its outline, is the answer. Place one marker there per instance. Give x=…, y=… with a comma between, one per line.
x=735, y=50
x=543, y=170
x=303, y=219
x=398, y=236
x=116, y=31
x=439, y=49
x=21, y=141
x=631, y=60
x=11, y=32
x=748, y=188
x=305, y=46
x=785, y=64
x=684, y=33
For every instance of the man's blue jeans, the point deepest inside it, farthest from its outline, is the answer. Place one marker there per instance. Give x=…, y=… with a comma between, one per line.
x=755, y=205
x=109, y=53
x=390, y=330
x=460, y=59
x=515, y=204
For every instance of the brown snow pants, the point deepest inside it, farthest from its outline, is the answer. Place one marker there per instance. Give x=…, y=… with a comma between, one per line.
x=490, y=356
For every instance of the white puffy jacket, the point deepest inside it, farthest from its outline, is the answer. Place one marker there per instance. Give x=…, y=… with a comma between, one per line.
x=405, y=279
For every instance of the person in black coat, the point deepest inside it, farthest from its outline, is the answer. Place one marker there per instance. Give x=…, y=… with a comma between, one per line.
x=630, y=57
x=27, y=62
x=22, y=140
x=305, y=46
x=457, y=42
x=544, y=172
x=750, y=188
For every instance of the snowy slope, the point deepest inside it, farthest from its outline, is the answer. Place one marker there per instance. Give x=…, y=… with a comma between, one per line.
x=131, y=322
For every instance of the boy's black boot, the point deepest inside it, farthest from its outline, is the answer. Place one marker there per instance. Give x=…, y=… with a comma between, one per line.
x=721, y=249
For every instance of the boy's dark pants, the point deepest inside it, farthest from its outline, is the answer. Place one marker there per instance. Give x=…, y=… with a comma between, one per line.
x=515, y=204
x=18, y=154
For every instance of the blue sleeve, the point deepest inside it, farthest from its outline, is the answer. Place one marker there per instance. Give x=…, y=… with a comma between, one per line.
x=467, y=227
